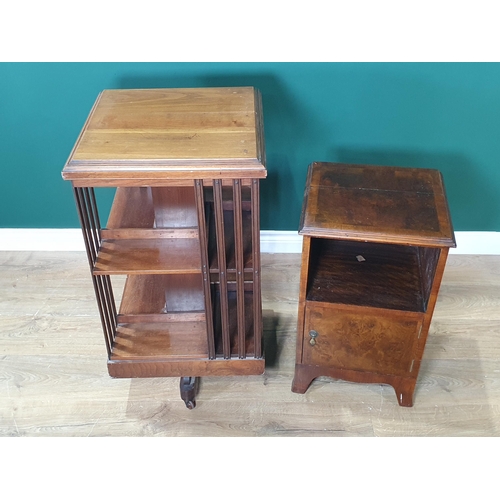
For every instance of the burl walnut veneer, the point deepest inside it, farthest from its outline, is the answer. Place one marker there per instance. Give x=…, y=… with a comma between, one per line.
x=375, y=244
x=183, y=228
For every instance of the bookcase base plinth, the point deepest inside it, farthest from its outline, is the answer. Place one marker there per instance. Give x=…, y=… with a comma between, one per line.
x=183, y=368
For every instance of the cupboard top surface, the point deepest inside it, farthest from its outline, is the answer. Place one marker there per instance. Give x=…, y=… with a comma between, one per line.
x=373, y=203
x=171, y=134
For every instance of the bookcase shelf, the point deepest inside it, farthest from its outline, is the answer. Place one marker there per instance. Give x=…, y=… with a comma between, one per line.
x=156, y=341
x=153, y=256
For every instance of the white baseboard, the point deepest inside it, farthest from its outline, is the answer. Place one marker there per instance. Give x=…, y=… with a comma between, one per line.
x=40, y=240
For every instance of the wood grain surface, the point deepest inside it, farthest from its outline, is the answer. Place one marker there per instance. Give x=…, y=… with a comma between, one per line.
x=387, y=276
x=137, y=134
x=374, y=203
x=54, y=379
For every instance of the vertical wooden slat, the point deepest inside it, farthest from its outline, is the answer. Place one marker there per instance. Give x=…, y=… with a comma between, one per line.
x=240, y=291
x=221, y=256
x=257, y=300
x=94, y=208
x=109, y=323
x=107, y=293
x=202, y=231
x=93, y=227
x=85, y=224
x=104, y=281
x=80, y=208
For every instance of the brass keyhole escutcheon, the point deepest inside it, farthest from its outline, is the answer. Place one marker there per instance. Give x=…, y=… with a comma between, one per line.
x=313, y=334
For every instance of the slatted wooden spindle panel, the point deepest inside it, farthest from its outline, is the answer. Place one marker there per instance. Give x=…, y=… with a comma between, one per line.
x=89, y=219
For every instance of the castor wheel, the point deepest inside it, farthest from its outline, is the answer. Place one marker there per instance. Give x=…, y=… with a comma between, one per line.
x=188, y=386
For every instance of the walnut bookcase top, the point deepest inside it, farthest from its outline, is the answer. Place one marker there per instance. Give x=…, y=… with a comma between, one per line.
x=170, y=134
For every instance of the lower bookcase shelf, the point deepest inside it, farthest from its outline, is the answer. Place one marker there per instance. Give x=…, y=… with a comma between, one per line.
x=160, y=340
x=171, y=349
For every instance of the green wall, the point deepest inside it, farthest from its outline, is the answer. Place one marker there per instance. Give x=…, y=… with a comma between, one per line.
x=429, y=115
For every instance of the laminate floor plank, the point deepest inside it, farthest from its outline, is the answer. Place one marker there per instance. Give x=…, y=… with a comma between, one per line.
x=54, y=379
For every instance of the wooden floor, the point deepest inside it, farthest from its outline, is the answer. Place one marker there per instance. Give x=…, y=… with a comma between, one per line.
x=54, y=380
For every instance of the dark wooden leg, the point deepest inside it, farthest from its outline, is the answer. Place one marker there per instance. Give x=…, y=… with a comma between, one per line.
x=188, y=386
x=302, y=379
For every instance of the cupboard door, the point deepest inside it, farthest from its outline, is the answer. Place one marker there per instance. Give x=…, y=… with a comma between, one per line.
x=357, y=339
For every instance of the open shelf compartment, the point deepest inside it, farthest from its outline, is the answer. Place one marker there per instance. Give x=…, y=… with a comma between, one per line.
x=161, y=298
x=150, y=230
x=371, y=274
x=161, y=316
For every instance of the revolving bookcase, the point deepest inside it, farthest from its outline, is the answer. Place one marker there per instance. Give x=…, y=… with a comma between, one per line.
x=183, y=229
